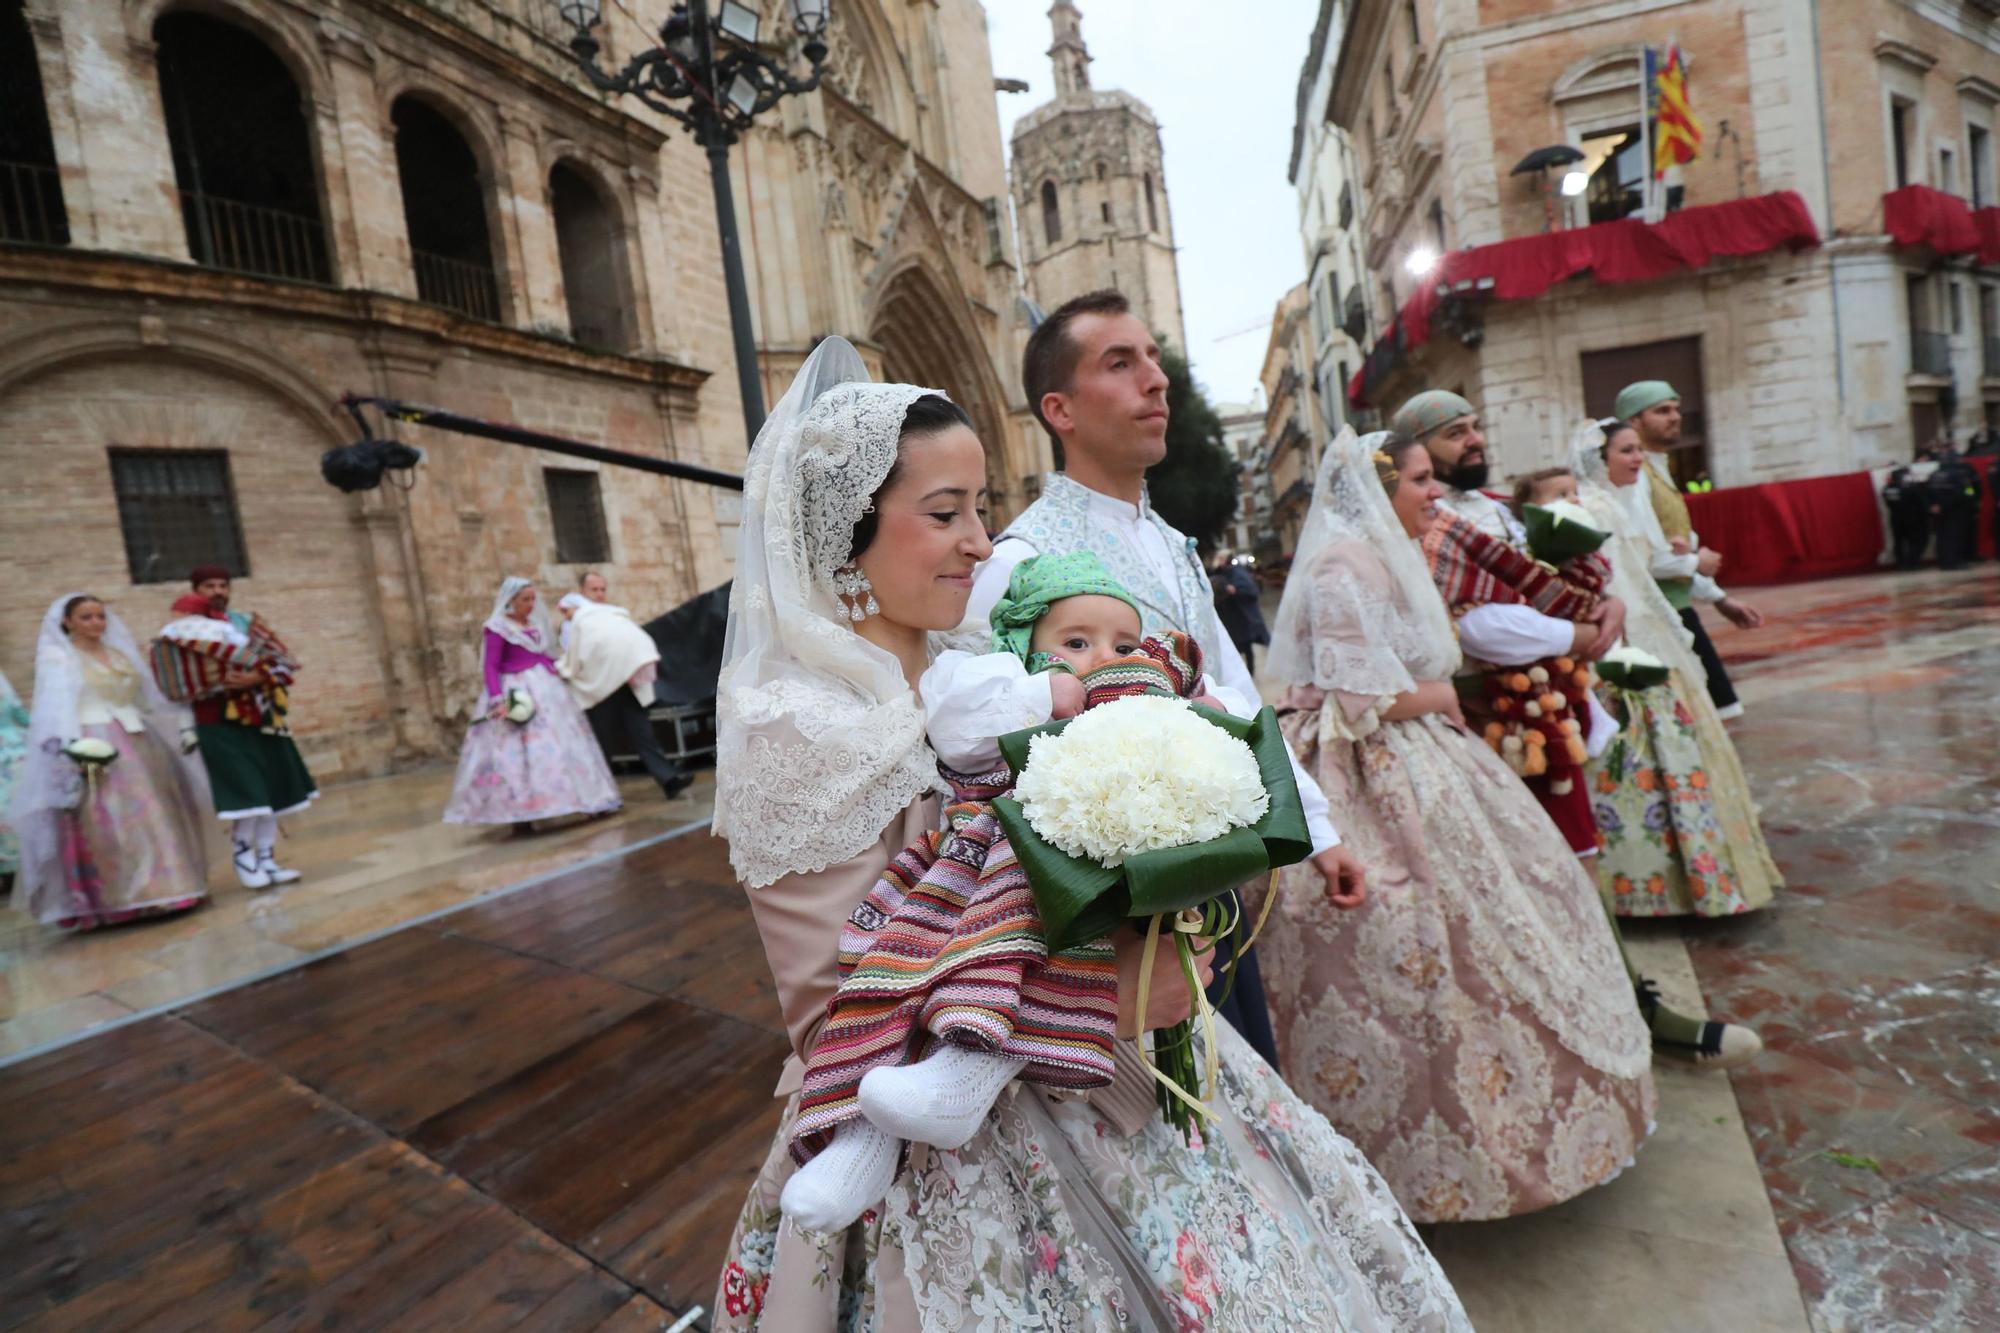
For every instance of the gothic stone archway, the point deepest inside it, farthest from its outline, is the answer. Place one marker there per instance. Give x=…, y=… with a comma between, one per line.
x=924, y=342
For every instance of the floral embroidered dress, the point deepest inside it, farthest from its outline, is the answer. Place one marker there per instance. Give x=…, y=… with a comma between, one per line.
x=546, y=767
x=1061, y=1212
x=1678, y=827
x=13, y=749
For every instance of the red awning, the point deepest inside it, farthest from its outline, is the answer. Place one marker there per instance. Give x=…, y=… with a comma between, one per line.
x=1627, y=250
x=1919, y=215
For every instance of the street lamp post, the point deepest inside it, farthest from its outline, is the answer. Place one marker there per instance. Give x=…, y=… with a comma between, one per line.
x=716, y=90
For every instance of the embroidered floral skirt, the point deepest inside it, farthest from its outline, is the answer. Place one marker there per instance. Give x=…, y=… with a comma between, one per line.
x=550, y=765
x=1050, y=1219
x=1679, y=830
x=1471, y=1026
x=13, y=752
x=133, y=846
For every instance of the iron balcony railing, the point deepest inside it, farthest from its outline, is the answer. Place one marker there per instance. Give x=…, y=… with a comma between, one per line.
x=31, y=204
x=249, y=238
x=455, y=284
x=1930, y=353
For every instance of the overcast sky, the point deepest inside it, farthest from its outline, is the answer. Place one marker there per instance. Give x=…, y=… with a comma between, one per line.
x=1222, y=80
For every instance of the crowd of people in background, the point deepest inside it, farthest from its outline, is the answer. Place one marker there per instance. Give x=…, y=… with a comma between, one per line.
x=121, y=755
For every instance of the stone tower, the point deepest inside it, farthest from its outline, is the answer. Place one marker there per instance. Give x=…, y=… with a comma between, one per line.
x=1091, y=194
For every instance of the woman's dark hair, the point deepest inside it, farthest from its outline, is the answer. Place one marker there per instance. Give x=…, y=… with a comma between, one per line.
x=928, y=415
x=73, y=603
x=1611, y=426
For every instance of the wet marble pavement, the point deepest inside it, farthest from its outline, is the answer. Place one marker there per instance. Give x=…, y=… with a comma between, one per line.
x=374, y=856
x=1873, y=742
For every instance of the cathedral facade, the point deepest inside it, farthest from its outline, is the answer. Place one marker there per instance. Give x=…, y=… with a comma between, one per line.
x=218, y=215
x=1090, y=192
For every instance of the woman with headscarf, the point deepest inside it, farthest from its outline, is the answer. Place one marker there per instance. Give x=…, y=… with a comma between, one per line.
x=1471, y=1026
x=862, y=527
x=13, y=749
x=529, y=754
x=1673, y=808
x=111, y=801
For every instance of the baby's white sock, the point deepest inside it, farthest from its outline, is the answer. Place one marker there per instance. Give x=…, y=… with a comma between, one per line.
x=939, y=1100
x=836, y=1187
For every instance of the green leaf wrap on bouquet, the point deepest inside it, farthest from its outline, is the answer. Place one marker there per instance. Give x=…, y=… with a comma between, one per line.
x=1080, y=900
x=1631, y=676
x=1558, y=540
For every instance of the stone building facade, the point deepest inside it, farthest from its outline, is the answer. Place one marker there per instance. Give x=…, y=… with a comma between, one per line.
x=1295, y=429
x=1823, y=360
x=224, y=214
x=1243, y=438
x=1090, y=192
x=1322, y=170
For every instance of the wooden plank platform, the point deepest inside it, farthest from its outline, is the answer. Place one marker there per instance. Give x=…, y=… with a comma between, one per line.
x=540, y=1113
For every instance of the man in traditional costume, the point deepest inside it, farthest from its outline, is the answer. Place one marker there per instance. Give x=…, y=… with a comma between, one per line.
x=236, y=674
x=610, y=664
x=1682, y=566
x=1093, y=379
x=1513, y=612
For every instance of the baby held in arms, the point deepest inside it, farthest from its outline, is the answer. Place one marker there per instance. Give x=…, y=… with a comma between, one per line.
x=948, y=990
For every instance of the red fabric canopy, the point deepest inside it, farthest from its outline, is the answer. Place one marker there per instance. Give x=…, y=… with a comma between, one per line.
x=1792, y=531
x=1919, y=215
x=1627, y=250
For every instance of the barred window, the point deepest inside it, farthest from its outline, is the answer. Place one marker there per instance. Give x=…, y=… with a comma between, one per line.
x=577, y=507
x=177, y=508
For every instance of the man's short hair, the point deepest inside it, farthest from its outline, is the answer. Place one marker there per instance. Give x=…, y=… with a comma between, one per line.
x=586, y=576
x=1049, y=365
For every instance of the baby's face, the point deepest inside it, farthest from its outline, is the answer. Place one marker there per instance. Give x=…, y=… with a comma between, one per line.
x=1555, y=488
x=1087, y=631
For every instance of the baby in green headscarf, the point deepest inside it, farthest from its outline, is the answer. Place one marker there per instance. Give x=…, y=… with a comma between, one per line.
x=1063, y=616
x=946, y=954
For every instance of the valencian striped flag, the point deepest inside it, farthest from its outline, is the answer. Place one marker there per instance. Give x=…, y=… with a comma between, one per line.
x=1676, y=132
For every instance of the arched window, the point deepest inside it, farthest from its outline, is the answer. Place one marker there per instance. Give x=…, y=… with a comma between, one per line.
x=1152, y=209
x=593, y=272
x=31, y=199
x=444, y=208
x=1051, y=214
x=1102, y=171
x=242, y=151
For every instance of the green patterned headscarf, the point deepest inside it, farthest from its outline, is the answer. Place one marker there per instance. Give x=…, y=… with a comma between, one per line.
x=1636, y=398
x=1042, y=580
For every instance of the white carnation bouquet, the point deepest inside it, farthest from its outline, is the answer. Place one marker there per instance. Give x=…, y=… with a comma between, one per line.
x=1152, y=809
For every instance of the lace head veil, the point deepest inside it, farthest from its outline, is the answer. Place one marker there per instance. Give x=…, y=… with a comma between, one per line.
x=507, y=628
x=1651, y=623
x=1360, y=612
x=50, y=782
x=820, y=738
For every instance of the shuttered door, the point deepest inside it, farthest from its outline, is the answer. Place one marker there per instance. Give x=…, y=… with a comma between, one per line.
x=1678, y=362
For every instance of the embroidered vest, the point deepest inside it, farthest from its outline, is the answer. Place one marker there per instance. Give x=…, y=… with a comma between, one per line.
x=1061, y=522
x=1672, y=511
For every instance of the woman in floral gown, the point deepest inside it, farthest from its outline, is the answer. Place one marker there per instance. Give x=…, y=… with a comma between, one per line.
x=1673, y=808
x=1471, y=1025
x=860, y=535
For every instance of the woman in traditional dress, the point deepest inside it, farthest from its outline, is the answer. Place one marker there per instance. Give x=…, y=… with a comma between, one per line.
x=13, y=749
x=861, y=531
x=1673, y=808
x=111, y=840
x=1471, y=1026
x=544, y=766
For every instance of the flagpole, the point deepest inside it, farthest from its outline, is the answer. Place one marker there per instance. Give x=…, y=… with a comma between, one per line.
x=1646, y=131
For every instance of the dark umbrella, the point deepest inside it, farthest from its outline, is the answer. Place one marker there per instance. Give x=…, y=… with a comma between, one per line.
x=1555, y=155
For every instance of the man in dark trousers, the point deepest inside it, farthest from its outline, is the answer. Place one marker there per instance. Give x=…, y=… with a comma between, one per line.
x=1907, y=496
x=1237, y=606
x=1954, y=504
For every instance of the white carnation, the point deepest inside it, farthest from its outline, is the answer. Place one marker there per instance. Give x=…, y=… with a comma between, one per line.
x=1139, y=775
x=1571, y=512
x=1632, y=657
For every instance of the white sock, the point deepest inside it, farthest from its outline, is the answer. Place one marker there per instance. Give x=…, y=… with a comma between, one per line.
x=833, y=1189
x=264, y=828
x=941, y=1099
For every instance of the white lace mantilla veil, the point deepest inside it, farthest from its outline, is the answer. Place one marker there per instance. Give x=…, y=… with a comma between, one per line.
x=820, y=738
x=538, y=619
x=1651, y=623
x=50, y=782
x=1405, y=633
